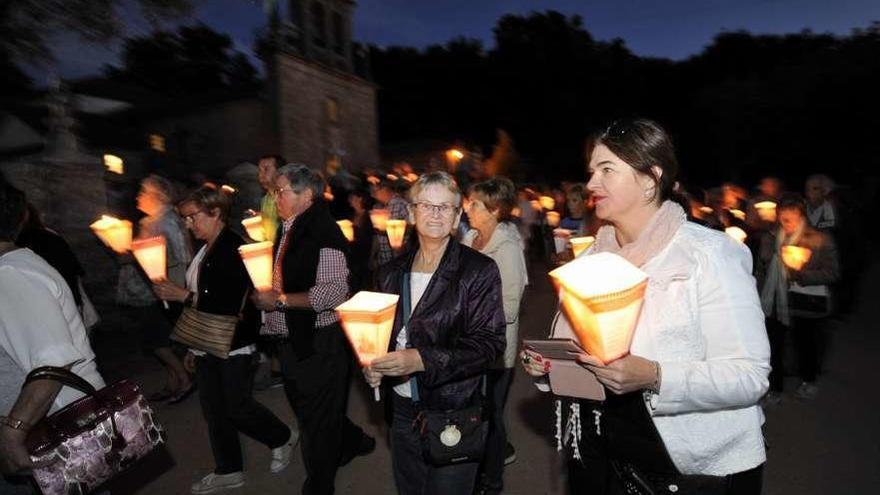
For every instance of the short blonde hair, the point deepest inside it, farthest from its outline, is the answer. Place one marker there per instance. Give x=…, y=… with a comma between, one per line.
x=435, y=178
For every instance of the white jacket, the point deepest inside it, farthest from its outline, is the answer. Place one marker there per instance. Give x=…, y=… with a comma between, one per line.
x=702, y=321
x=506, y=249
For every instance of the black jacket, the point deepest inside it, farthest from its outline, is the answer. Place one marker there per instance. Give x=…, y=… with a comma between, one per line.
x=224, y=283
x=457, y=326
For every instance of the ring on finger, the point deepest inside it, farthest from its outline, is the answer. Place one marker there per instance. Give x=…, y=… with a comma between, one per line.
x=526, y=359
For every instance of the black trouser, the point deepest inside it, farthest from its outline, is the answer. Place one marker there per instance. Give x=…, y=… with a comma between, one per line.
x=806, y=341
x=225, y=388
x=317, y=389
x=776, y=332
x=498, y=384
x=414, y=476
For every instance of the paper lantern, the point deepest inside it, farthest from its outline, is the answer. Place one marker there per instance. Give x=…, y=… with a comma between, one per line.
x=257, y=259
x=706, y=210
x=560, y=239
x=368, y=319
x=795, y=257
x=395, y=230
x=115, y=233
x=347, y=229
x=114, y=164
x=535, y=204
x=602, y=297
x=516, y=212
x=150, y=254
x=378, y=217
x=254, y=228
x=228, y=189
x=738, y=214
x=581, y=244
x=766, y=211
x=547, y=202
x=553, y=218
x=737, y=233
x=373, y=180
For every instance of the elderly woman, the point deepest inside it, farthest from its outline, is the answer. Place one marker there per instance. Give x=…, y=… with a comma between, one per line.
x=681, y=412
x=217, y=283
x=155, y=199
x=797, y=298
x=492, y=233
x=453, y=334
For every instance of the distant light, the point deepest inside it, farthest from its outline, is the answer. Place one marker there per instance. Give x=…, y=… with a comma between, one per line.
x=227, y=188
x=391, y=177
x=454, y=155
x=113, y=164
x=157, y=143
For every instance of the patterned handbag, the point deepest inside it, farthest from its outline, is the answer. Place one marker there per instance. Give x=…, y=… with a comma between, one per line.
x=92, y=439
x=208, y=332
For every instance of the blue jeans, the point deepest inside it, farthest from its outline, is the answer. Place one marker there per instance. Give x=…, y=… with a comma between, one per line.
x=414, y=476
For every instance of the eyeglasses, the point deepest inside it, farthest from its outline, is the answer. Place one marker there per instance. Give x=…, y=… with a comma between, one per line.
x=281, y=190
x=191, y=217
x=444, y=209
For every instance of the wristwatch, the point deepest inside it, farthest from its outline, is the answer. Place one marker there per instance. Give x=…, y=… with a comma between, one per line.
x=280, y=303
x=15, y=424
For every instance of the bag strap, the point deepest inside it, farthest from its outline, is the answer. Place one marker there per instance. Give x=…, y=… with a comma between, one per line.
x=61, y=375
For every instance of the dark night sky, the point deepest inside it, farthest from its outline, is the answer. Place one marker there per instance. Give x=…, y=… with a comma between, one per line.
x=673, y=29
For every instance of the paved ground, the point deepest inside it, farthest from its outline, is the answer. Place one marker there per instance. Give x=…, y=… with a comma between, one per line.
x=829, y=446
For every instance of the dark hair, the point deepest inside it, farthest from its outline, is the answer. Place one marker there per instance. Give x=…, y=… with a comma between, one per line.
x=303, y=177
x=497, y=193
x=642, y=144
x=366, y=198
x=792, y=201
x=208, y=197
x=279, y=160
x=13, y=206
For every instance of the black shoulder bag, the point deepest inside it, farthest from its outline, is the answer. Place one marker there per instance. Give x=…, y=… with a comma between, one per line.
x=452, y=436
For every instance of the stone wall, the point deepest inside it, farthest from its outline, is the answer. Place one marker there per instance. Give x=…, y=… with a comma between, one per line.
x=307, y=133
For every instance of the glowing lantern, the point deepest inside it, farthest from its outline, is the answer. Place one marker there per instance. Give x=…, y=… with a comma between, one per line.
x=535, y=204
x=766, y=210
x=706, y=210
x=738, y=214
x=737, y=233
x=257, y=259
x=581, y=244
x=150, y=254
x=115, y=233
x=411, y=177
x=368, y=318
x=378, y=217
x=347, y=229
x=373, y=180
x=795, y=257
x=560, y=239
x=391, y=177
x=547, y=202
x=228, y=189
x=395, y=230
x=516, y=212
x=254, y=228
x=454, y=155
x=553, y=218
x=113, y=164
x=601, y=296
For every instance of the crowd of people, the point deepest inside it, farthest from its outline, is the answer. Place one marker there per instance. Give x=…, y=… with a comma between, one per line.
x=683, y=408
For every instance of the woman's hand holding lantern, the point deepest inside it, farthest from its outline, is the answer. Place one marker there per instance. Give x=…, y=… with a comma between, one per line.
x=626, y=374
x=398, y=363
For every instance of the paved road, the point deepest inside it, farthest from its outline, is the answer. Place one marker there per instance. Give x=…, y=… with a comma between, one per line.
x=829, y=446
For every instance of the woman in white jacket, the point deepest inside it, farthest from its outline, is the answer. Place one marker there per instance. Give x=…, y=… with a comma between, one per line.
x=681, y=413
x=488, y=207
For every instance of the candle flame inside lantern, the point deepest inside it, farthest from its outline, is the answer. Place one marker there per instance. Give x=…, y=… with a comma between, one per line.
x=706, y=210
x=113, y=164
x=150, y=254
x=547, y=202
x=766, y=211
x=347, y=229
x=738, y=214
x=378, y=217
x=795, y=257
x=395, y=230
x=115, y=233
x=581, y=244
x=737, y=233
x=602, y=297
x=254, y=228
x=368, y=319
x=553, y=218
x=257, y=259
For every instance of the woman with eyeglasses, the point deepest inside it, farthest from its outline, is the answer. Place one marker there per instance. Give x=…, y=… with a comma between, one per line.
x=442, y=348
x=217, y=283
x=681, y=412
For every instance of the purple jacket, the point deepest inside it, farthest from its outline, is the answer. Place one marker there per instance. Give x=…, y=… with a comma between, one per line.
x=458, y=325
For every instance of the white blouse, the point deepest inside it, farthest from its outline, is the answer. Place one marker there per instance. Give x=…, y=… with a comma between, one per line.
x=417, y=285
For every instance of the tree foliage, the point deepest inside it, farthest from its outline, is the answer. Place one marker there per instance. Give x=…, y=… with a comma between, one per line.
x=746, y=106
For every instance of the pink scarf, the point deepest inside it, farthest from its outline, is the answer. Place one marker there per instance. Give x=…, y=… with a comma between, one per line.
x=656, y=235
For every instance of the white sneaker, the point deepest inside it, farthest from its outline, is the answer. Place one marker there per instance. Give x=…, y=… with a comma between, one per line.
x=216, y=482
x=281, y=458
